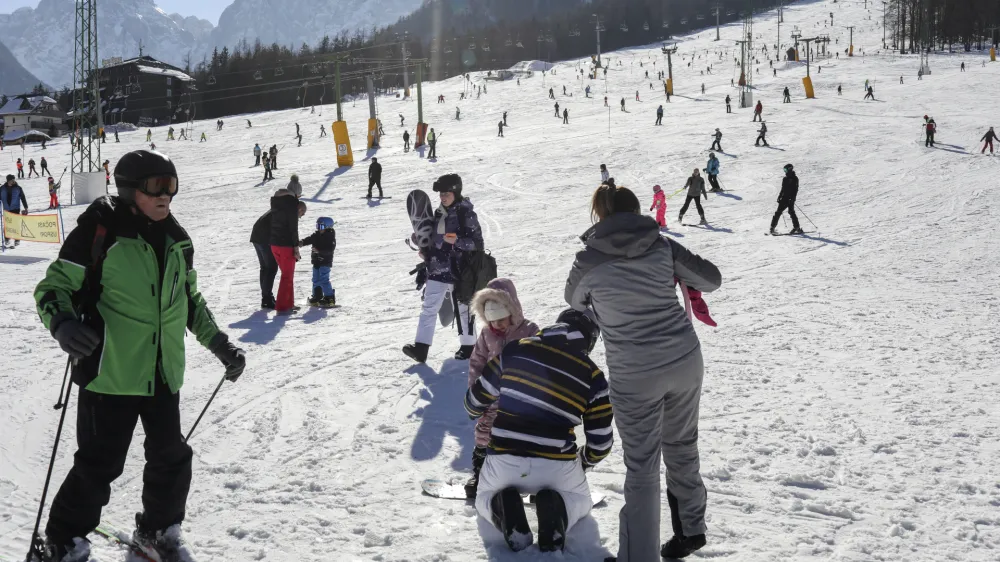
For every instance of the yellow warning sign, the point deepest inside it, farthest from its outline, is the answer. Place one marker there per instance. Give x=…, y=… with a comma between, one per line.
x=31, y=228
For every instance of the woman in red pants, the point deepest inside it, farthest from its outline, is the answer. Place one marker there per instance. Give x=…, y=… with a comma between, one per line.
x=285, y=212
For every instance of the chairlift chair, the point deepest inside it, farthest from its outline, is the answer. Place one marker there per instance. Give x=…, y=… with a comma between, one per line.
x=279, y=71
x=701, y=17
x=684, y=21
x=623, y=27
x=520, y=45
x=645, y=26
x=258, y=76
x=211, y=80
x=508, y=42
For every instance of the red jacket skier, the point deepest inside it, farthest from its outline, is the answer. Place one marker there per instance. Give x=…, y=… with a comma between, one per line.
x=660, y=204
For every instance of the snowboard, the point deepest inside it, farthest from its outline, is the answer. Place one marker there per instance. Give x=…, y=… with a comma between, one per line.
x=789, y=233
x=418, y=206
x=443, y=490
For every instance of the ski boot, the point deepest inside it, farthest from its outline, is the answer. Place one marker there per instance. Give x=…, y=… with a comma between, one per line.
x=478, y=458
x=165, y=545
x=328, y=302
x=416, y=351
x=316, y=297
x=267, y=303
x=703, y=221
x=77, y=550
x=680, y=546
x=797, y=231
x=464, y=352
x=551, y=520
x=507, y=508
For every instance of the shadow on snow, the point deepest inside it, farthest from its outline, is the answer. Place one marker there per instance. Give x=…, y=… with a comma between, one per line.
x=443, y=414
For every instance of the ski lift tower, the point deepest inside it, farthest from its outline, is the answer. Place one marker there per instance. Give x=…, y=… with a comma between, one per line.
x=87, y=179
x=925, y=46
x=669, y=51
x=597, y=28
x=746, y=56
x=807, y=81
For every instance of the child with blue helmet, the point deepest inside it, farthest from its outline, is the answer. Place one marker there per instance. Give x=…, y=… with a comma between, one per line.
x=323, y=242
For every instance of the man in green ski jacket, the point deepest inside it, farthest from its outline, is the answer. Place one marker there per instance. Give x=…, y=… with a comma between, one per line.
x=118, y=300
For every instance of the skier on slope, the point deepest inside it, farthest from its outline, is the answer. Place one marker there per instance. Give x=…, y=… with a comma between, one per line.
x=930, y=127
x=122, y=378
x=696, y=189
x=557, y=109
x=500, y=308
x=761, y=135
x=406, y=141
x=500, y=128
x=324, y=243
x=565, y=116
x=533, y=446
x=656, y=366
x=758, y=111
x=456, y=233
x=660, y=205
x=787, y=96
x=717, y=143
x=12, y=200
x=729, y=108
x=659, y=115
x=604, y=173
x=786, y=200
x=256, y=153
x=712, y=169
x=374, y=178
x=870, y=93
x=432, y=143
x=987, y=140
x=273, y=151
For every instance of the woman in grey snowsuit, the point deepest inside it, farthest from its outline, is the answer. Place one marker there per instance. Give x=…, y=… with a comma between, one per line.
x=696, y=188
x=626, y=275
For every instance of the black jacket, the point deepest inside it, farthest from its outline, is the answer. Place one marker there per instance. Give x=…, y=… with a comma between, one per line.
x=323, y=243
x=990, y=135
x=789, y=189
x=375, y=171
x=284, y=220
x=261, y=233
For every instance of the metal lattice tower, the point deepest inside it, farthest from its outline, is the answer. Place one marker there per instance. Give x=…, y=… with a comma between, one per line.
x=747, y=58
x=86, y=152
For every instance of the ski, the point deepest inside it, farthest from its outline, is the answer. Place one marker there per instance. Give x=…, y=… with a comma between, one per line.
x=695, y=225
x=789, y=233
x=123, y=540
x=386, y=197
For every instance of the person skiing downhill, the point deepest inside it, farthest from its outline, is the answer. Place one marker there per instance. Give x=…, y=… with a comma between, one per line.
x=717, y=143
x=762, y=135
x=660, y=205
x=696, y=189
x=712, y=169
x=655, y=365
x=499, y=307
x=987, y=140
x=533, y=445
x=659, y=115
x=457, y=232
x=96, y=304
x=786, y=200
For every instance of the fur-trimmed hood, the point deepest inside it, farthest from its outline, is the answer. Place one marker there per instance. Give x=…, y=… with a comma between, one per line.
x=501, y=290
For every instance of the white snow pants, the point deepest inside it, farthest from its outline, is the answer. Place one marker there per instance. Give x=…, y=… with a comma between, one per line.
x=531, y=475
x=437, y=294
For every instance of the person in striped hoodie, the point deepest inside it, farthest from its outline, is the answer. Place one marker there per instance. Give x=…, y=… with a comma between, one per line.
x=545, y=386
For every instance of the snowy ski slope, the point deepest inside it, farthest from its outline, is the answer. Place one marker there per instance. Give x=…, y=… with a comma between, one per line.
x=850, y=405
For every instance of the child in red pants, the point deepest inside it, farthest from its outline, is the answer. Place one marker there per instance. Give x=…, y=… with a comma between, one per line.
x=53, y=193
x=660, y=204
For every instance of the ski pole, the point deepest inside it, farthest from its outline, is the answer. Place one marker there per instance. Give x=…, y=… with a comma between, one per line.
x=676, y=192
x=36, y=540
x=807, y=217
x=205, y=409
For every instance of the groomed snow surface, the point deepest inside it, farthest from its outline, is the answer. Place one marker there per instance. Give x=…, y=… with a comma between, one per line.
x=850, y=402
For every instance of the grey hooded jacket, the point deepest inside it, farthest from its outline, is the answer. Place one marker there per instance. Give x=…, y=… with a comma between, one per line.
x=626, y=275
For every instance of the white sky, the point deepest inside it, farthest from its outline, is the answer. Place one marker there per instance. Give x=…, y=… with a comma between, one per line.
x=206, y=9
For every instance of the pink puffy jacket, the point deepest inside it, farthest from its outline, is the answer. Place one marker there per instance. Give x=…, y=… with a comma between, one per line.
x=489, y=344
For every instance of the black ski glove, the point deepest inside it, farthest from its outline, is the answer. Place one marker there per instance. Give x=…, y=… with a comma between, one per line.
x=231, y=356
x=76, y=338
x=421, y=272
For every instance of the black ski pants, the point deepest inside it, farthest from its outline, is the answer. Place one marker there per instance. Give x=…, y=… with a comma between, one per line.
x=659, y=119
x=257, y=163
x=713, y=179
x=757, y=117
x=782, y=207
x=375, y=182
x=104, y=427
x=729, y=108
x=268, y=271
x=716, y=145
x=760, y=138
x=433, y=153
x=929, y=141
x=697, y=203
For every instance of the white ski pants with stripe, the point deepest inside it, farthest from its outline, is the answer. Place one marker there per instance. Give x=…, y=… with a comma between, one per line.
x=436, y=295
x=531, y=475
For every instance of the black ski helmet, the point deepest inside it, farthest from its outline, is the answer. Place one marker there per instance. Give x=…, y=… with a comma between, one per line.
x=139, y=165
x=788, y=168
x=449, y=183
x=580, y=322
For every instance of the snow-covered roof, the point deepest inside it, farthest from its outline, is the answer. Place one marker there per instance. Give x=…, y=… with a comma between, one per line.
x=11, y=136
x=164, y=72
x=13, y=105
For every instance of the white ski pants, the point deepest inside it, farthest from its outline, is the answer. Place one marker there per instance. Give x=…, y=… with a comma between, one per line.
x=531, y=475
x=436, y=295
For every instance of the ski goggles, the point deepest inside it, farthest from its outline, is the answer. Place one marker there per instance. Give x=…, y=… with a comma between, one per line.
x=158, y=186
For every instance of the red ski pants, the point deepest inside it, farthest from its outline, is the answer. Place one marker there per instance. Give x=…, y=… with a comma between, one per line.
x=285, y=256
x=988, y=143
x=53, y=200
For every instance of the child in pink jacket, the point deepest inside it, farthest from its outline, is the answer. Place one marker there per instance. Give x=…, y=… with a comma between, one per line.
x=498, y=306
x=660, y=204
